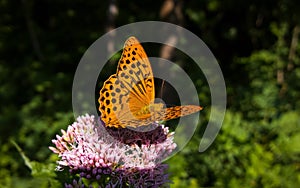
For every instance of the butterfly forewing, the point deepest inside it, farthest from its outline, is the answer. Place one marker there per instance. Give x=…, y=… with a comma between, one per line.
x=135, y=69
x=129, y=90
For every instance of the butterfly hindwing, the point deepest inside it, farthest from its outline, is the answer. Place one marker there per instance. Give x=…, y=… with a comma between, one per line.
x=112, y=100
x=179, y=111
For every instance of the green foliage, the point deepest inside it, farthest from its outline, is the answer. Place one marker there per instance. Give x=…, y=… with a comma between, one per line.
x=256, y=43
x=258, y=145
x=44, y=173
x=249, y=154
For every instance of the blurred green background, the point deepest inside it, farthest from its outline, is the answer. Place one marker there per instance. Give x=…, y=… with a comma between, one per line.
x=256, y=44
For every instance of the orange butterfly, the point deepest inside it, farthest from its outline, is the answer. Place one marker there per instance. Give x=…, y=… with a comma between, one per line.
x=127, y=97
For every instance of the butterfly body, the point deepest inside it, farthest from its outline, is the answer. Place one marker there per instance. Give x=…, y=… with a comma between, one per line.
x=126, y=99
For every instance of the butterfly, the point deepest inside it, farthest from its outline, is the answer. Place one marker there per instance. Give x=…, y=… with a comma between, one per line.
x=127, y=97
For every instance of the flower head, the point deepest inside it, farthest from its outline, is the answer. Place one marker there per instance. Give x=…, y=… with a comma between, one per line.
x=115, y=157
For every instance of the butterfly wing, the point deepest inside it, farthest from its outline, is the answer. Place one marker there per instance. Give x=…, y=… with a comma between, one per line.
x=174, y=112
x=135, y=72
x=129, y=90
x=112, y=99
x=179, y=111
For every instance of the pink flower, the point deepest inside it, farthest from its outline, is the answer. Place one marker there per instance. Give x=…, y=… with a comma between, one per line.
x=114, y=157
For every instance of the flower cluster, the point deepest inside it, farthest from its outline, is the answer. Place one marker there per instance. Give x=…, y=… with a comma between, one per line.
x=113, y=157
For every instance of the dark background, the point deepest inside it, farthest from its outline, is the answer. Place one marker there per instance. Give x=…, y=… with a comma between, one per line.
x=256, y=44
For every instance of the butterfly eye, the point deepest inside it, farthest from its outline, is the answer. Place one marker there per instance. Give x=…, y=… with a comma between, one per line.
x=151, y=108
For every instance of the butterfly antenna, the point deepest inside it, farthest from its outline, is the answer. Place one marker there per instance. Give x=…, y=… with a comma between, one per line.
x=162, y=89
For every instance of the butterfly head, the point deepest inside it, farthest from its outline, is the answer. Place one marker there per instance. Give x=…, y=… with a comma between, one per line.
x=150, y=109
x=155, y=107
